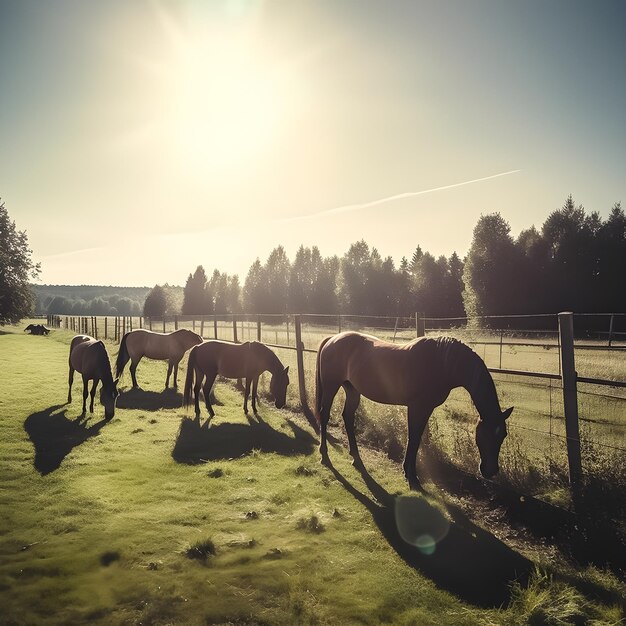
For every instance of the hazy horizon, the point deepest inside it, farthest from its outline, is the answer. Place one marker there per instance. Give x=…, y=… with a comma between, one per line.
x=143, y=139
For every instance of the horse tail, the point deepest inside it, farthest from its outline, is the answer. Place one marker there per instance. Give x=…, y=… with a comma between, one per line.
x=318, y=382
x=191, y=366
x=122, y=357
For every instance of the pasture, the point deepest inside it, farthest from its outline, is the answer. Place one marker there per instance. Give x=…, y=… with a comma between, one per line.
x=155, y=518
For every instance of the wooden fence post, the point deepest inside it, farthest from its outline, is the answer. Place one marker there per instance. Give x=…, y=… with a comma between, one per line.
x=95, y=325
x=164, y=323
x=202, y=326
x=611, y=329
x=215, y=325
x=106, y=329
x=140, y=321
x=235, y=328
x=300, y=361
x=570, y=397
x=176, y=323
x=258, y=328
x=420, y=325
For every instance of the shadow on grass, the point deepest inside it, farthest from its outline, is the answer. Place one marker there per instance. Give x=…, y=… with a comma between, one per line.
x=198, y=442
x=588, y=536
x=150, y=400
x=456, y=555
x=55, y=436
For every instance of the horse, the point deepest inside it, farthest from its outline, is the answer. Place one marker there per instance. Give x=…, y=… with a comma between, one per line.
x=89, y=357
x=37, y=329
x=244, y=360
x=418, y=375
x=168, y=347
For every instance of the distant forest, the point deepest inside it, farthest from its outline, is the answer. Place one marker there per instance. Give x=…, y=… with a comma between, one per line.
x=89, y=299
x=575, y=261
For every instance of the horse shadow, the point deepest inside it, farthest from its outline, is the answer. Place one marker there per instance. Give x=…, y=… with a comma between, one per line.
x=169, y=398
x=199, y=442
x=54, y=436
x=455, y=554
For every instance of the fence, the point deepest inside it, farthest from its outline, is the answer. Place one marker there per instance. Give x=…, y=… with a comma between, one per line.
x=565, y=380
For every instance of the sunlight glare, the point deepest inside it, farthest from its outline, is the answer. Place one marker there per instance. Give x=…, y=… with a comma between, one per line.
x=228, y=105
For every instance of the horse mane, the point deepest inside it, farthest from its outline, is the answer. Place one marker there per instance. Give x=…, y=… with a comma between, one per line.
x=463, y=365
x=191, y=332
x=272, y=357
x=107, y=374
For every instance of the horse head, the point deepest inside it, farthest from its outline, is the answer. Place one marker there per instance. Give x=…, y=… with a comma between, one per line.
x=490, y=433
x=278, y=387
x=108, y=398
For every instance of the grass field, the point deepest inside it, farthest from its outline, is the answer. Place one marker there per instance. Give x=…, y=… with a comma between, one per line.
x=154, y=518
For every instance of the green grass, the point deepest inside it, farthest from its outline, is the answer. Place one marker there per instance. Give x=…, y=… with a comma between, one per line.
x=98, y=520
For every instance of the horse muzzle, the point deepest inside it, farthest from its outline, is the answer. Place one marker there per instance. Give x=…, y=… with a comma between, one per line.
x=488, y=472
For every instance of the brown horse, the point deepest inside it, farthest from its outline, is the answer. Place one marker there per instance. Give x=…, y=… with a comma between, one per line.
x=168, y=347
x=418, y=375
x=244, y=360
x=89, y=357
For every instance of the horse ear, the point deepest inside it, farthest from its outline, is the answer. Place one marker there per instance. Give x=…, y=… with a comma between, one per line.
x=507, y=412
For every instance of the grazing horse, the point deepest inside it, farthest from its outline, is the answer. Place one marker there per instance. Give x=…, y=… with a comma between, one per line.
x=89, y=357
x=418, y=375
x=244, y=360
x=168, y=347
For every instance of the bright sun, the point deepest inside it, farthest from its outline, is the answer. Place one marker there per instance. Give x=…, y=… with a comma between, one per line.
x=227, y=105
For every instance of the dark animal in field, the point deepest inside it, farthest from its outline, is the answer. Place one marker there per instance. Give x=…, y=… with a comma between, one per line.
x=37, y=329
x=89, y=357
x=418, y=375
x=246, y=360
x=168, y=347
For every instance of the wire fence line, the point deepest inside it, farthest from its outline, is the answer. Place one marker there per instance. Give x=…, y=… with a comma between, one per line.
x=518, y=358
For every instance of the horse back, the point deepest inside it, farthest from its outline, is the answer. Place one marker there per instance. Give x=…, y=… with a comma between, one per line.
x=81, y=358
x=381, y=371
x=230, y=360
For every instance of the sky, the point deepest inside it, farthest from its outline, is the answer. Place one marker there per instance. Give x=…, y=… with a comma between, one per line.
x=143, y=138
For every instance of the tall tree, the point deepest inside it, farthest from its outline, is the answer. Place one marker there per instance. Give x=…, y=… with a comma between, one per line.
x=277, y=270
x=156, y=302
x=194, y=298
x=16, y=269
x=491, y=272
x=255, y=288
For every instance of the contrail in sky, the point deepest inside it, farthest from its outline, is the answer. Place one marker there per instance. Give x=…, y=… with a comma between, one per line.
x=408, y=194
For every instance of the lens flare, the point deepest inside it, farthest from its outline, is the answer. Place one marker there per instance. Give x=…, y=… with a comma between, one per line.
x=420, y=524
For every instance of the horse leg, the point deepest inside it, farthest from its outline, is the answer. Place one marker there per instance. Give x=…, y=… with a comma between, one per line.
x=133, y=374
x=353, y=398
x=176, y=374
x=327, y=397
x=196, y=392
x=246, y=393
x=170, y=365
x=71, y=381
x=210, y=379
x=93, y=393
x=418, y=418
x=255, y=386
x=85, y=393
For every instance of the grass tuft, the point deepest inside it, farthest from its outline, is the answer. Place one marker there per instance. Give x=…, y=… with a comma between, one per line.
x=106, y=558
x=201, y=550
x=311, y=524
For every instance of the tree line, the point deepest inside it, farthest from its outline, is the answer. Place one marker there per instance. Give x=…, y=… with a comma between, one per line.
x=575, y=261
